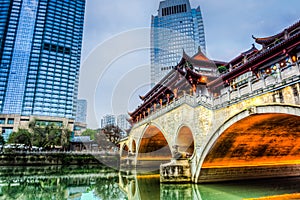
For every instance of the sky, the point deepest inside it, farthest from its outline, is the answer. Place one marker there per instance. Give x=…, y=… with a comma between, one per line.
x=115, y=65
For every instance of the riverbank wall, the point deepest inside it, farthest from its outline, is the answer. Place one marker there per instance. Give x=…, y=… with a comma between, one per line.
x=58, y=158
x=248, y=172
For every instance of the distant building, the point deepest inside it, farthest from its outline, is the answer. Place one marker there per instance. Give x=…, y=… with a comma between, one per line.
x=122, y=122
x=81, y=111
x=108, y=120
x=177, y=27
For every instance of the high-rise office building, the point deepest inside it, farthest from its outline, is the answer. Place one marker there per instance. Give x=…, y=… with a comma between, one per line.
x=81, y=111
x=177, y=27
x=108, y=120
x=40, y=49
x=113, y=120
x=122, y=122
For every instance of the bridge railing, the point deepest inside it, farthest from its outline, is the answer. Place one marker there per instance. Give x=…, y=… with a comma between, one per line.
x=254, y=87
x=251, y=87
x=185, y=99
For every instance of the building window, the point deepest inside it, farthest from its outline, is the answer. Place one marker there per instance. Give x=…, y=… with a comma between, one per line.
x=10, y=121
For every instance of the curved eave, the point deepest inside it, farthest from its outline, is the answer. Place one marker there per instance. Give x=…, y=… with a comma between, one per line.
x=268, y=40
x=199, y=75
x=261, y=58
x=161, y=90
x=159, y=84
x=239, y=58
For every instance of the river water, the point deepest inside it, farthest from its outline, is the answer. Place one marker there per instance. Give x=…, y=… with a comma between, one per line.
x=98, y=182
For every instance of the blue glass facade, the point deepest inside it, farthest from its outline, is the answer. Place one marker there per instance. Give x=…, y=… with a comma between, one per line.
x=40, y=56
x=176, y=27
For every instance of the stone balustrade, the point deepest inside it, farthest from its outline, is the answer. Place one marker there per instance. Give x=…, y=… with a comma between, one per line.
x=229, y=96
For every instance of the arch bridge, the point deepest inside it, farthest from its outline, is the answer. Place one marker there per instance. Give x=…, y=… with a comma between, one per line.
x=202, y=139
x=200, y=126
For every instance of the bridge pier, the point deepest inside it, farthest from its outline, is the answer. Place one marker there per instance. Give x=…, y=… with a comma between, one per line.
x=177, y=171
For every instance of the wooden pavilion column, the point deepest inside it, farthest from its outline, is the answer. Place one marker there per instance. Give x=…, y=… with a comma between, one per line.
x=175, y=91
x=194, y=89
x=168, y=98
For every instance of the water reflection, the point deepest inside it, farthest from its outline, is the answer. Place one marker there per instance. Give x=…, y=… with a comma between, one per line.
x=54, y=182
x=96, y=182
x=146, y=187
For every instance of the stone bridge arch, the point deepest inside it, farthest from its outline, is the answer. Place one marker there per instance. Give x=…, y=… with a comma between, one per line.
x=154, y=147
x=185, y=140
x=133, y=146
x=124, y=150
x=271, y=111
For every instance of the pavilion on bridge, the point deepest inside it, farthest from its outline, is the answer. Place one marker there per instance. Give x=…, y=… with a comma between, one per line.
x=197, y=75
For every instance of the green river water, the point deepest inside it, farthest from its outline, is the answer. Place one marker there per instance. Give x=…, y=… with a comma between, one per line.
x=98, y=182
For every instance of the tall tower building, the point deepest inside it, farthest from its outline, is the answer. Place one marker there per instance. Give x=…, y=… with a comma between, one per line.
x=40, y=50
x=81, y=111
x=177, y=27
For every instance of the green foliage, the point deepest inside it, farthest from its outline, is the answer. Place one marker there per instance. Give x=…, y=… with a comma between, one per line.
x=108, y=137
x=2, y=141
x=21, y=137
x=90, y=132
x=222, y=69
x=45, y=136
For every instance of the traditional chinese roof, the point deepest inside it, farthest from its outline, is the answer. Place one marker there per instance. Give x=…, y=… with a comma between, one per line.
x=266, y=41
x=200, y=56
x=199, y=59
x=263, y=56
x=189, y=71
x=247, y=54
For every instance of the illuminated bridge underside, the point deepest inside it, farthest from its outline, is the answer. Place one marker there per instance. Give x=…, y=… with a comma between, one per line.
x=153, y=146
x=261, y=145
x=258, y=140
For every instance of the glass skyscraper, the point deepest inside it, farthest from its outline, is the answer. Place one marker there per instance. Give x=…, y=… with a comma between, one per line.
x=81, y=111
x=177, y=27
x=40, y=50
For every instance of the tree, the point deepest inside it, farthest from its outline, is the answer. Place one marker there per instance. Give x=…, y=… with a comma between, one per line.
x=65, y=138
x=90, y=132
x=22, y=136
x=48, y=135
x=2, y=142
x=108, y=137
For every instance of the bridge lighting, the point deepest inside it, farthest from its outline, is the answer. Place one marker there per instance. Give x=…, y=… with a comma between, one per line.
x=294, y=58
x=203, y=79
x=282, y=64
